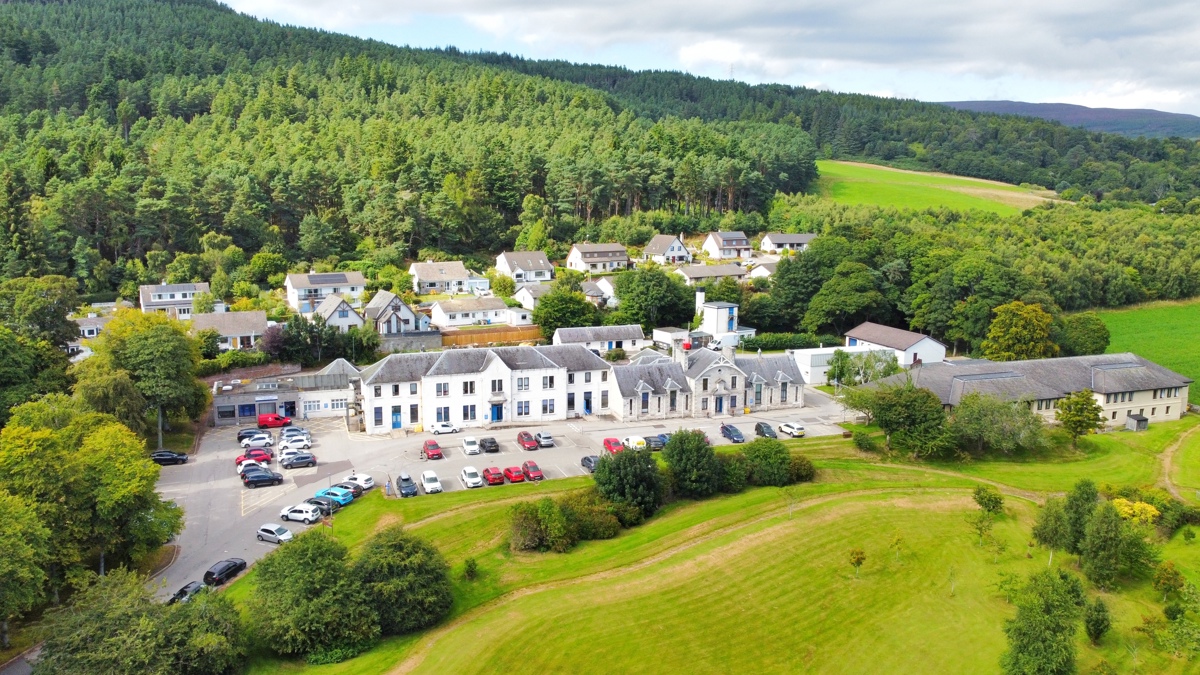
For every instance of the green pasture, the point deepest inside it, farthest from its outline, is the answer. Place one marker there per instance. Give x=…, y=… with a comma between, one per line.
x=860, y=184
x=1164, y=332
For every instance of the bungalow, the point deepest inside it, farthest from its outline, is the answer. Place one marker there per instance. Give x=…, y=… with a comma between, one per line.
x=239, y=330
x=446, y=277
x=529, y=294
x=725, y=245
x=89, y=327
x=173, y=299
x=911, y=348
x=525, y=266
x=389, y=315
x=306, y=291
x=697, y=273
x=778, y=242
x=763, y=270
x=337, y=312
x=666, y=249
x=601, y=339
x=598, y=258
x=595, y=293
x=476, y=311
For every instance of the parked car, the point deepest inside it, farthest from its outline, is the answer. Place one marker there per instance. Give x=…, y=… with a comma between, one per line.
x=276, y=534
x=294, y=431
x=259, y=440
x=272, y=420
x=792, y=429
x=493, y=476
x=470, y=477
x=185, y=594
x=514, y=474
x=243, y=434
x=430, y=483
x=732, y=433
x=352, y=488
x=432, y=449
x=224, y=571
x=362, y=480
x=589, y=463
x=298, y=460
x=295, y=443
x=165, y=457
x=327, y=505
x=526, y=441
x=337, y=494
x=253, y=479
x=654, y=443
x=305, y=513
x=406, y=486
x=256, y=454
x=284, y=454
x=489, y=444
x=763, y=429
x=665, y=438
x=531, y=471
x=613, y=445
x=470, y=446
x=544, y=439
x=444, y=428
x=634, y=443
x=251, y=465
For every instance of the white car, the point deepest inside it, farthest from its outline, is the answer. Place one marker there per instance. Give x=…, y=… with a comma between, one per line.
x=251, y=463
x=470, y=477
x=444, y=428
x=791, y=429
x=288, y=452
x=362, y=480
x=276, y=534
x=263, y=440
x=470, y=446
x=305, y=513
x=634, y=442
x=430, y=483
x=295, y=443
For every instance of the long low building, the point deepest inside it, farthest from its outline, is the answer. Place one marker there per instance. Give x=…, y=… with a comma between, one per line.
x=1124, y=385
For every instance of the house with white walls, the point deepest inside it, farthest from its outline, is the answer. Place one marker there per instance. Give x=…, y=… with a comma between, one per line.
x=598, y=258
x=778, y=242
x=389, y=315
x=727, y=245
x=667, y=249
x=338, y=313
x=174, y=300
x=911, y=348
x=306, y=291
x=450, y=277
x=525, y=267
x=602, y=339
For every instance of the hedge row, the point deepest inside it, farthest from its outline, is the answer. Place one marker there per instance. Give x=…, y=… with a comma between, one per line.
x=229, y=360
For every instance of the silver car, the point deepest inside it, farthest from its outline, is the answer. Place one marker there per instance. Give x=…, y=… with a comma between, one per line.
x=470, y=446
x=276, y=534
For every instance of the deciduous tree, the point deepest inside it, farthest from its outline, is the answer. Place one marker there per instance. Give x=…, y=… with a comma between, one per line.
x=857, y=558
x=406, y=579
x=1079, y=506
x=24, y=551
x=1079, y=414
x=630, y=477
x=694, y=467
x=1081, y=334
x=1019, y=332
x=1096, y=621
x=989, y=499
x=559, y=309
x=1053, y=527
x=769, y=462
x=982, y=423
x=1041, y=638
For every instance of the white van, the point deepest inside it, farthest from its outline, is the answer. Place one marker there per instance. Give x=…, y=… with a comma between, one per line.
x=725, y=340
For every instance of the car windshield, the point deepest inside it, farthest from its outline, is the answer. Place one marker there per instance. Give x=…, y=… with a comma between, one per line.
x=280, y=530
x=472, y=474
x=532, y=466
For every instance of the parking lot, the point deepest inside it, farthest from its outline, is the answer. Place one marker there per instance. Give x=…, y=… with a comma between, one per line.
x=221, y=515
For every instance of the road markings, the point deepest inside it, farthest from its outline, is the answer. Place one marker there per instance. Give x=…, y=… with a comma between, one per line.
x=252, y=500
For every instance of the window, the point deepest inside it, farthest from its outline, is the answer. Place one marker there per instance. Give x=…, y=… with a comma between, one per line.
x=522, y=384
x=395, y=390
x=704, y=384
x=547, y=406
x=733, y=382
x=247, y=410
x=338, y=404
x=1168, y=411
x=468, y=388
x=412, y=388
x=547, y=382
x=704, y=403
x=413, y=415
x=732, y=402
x=522, y=408
x=1153, y=412
x=1141, y=411
x=1114, y=415
x=604, y=376
x=673, y=400
x=571, y=402
x=343, y=313
x=587, y=378
x=443, y=414
x=468, y=412
x=497, y=385
x=443, y=389
x=452, y=317
x=758, y=394
x=570, y=378
x=226, y=412
x=378, y=416
x=604, y=399
x=312, y=406
x=378, y=390
x=783, y=392
x=270, y=385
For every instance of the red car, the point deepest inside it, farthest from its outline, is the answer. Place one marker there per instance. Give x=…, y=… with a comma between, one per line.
x=527, y=441
x=531, y=471
x=493, y=476
x=256, y=455
x=432, y=450
x=613, y=445
x=514, y=474
x=272, y=420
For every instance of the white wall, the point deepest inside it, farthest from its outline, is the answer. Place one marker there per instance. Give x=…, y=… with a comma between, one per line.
x=929, y=351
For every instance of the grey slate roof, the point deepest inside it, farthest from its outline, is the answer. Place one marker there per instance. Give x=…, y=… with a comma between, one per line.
x=768, y=266
x=737, y=239
x=329, y=305
x=321, y=279
x=658, y=378
x=1042, y=378
x=523, y=358
x=574, y=358
x=451, y=270
x=146, y=293
x=770, y=368
x=231, y=323
x=527, y=260
x=659, y=244
x=591, y=289
x=340, y=367
x=379, y=302
x=461, y=361
x=699, y=361
x=886, y=336
x=471, y=304
x=648, y=355
x=94, y=321
x=778, y=238
x=400, y=368
x=603, y=250
x=712, y=271
x=598, y=334
x=536, y=290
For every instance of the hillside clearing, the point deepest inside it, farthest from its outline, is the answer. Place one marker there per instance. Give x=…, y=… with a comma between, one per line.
x=858, y=183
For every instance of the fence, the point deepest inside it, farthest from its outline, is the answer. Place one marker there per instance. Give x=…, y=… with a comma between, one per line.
x=486, y=336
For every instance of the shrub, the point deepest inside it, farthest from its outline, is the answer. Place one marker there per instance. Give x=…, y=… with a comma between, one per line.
x=989, y=499
x=559, y=537
x=735, y=472
x=615, y=355
x=406, y=579
x=631, y=477
x=588, y=515
x=769, y=460
x=864, y=442
x=470, y=569
x=778, y=341
x=801, y=469
x=526, y=532
x=694, y=467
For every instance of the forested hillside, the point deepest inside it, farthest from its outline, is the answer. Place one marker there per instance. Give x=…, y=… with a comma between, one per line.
x=909, y=133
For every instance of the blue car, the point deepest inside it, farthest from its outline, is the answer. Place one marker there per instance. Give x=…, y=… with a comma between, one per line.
x=340, y=495
x=664, y=438
x=732, y=433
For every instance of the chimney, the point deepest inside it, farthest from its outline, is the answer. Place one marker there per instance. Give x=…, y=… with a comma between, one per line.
x=729, y=352
x=679, y=352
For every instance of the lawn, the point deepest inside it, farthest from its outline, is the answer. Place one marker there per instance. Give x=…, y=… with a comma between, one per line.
x=854, y=183
x=1164, y=332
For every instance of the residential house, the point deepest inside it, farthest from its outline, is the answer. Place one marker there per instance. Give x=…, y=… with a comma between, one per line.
x=602, y=339
x=477, y=311
x=608, y=287
x=529, y=294
x=525, y=267
x=693, y=274
x=337, y=312
x=588, y=378
x=772, y=381
x=306, y=291
x=173, y=299
x=598, y=258
x=652, y=389
x=1124, y=385
x=666, y=249
x=911, y=348
x=763, y=270
x=726, y=245
x=389, y=315
x=446, y=277
x=595, y=293
x=89, y=327
x=239, y=330
x=778, y=242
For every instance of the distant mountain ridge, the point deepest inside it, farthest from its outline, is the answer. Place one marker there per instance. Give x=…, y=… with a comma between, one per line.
x=1127, y=122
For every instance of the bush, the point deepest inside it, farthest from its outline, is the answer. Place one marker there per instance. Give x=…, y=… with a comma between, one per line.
x=695, y=469
x=778, y=341
x=234, y=358
x=406, y=579
x=470, y=569
x=526, y=532
x=615, y=355
x=588, y=515
x=557, y=524
x=801, y=469
x=864, y=442
x=630, y=477
x=769, y=460
x=735, y=472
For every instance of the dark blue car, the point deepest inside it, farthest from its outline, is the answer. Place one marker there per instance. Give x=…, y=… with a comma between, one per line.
x=731, y=432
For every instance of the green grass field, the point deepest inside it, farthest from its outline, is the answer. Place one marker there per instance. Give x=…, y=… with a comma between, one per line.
x=853, y=183
x=1164, y=332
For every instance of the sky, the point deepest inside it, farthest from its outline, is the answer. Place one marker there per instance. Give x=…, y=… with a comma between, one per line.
x=1103, y=53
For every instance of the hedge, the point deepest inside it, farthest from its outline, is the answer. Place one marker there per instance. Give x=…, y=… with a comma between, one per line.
x=234, y=358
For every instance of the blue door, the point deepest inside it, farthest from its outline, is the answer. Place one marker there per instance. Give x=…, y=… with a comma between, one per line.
x=720, y=404
x=396, y=417
x=497, y=412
